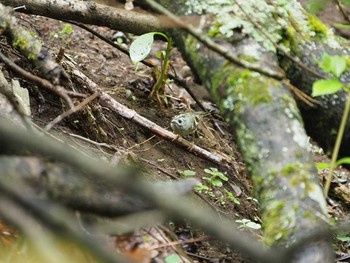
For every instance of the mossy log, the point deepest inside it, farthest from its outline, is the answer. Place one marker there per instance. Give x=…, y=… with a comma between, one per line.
x=267, y=121
x=30, y=47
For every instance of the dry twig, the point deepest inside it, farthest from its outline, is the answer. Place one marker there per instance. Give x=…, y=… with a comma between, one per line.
x=60, y=91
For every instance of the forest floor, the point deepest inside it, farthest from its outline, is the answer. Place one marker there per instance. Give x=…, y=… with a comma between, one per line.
x=163, y=159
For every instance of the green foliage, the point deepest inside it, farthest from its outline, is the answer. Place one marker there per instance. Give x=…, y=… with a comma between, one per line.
x=141, y=47
x=232, y=198
x=173, y=258
x=335, y=66
x=201, y=188
x=186, y=173
x=345, y=160
x=345, y=26
x=246, y=223
x=64, y=35
x=326, y=86
x=216, y=177
x=139, y=50
x=343, y=237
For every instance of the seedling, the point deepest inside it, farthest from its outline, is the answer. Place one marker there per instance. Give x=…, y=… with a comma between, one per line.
x=139, y=50
x=246, y=223
x=232, y=198
x=335, y=66
x=65, y=34
x=216, y=177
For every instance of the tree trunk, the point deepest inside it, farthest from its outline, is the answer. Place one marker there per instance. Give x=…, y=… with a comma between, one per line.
x=268, y=124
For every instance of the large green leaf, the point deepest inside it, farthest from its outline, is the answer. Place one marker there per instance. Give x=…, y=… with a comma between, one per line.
x=141, y=47
x=345, y=160
x=326, y=86
x=333, y=64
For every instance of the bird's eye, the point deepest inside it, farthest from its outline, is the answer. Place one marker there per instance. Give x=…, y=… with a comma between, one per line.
x=180, y=121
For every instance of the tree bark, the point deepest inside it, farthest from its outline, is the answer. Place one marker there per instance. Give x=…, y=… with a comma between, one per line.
x=268, y=124
x=88, y=12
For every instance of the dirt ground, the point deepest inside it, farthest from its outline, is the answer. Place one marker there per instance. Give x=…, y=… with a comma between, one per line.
x=163, y=159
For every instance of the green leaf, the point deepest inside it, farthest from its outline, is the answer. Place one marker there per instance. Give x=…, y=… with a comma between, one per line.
x=232, y=198
x=333, y=64
x=321, y=166
x=222, y=176
x=326, y=86
x=253, y=225
x=211, y=170
x=141, y=47
x=173, y=258
x=345, y=160
x=216, y=182
x=186, y=173
x=345, y=26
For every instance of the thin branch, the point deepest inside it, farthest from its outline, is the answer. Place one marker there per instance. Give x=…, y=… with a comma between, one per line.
x=342, y=10
x=58, y=90
x=226, y=53
x=70, y=111
x=285, y=53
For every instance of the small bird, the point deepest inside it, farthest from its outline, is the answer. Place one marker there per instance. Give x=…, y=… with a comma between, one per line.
x=185, y=123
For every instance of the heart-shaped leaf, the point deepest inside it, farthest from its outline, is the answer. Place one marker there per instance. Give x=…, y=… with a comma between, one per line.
x=327, y=86
x=141, y=47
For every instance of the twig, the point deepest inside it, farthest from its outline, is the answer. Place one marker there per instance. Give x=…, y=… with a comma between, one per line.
x=221, y=50
x=60, y=91
x=182, y=242
x=70, y=111
x=342, y=10
x=301, y=95
x=285, y=53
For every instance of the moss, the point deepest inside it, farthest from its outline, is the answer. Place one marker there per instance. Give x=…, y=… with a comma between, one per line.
x=248, y=143
x=242, y=87
x=290, y=169
x=317, y=26
x=347, y=58
x=277, y=227
x=298, y=154
x=21, y=43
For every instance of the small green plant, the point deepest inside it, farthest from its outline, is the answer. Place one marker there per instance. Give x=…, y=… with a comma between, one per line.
x=246, y=223
x=335, y=66
x=232, y=198
x=65, y=34
x=186, y=173
x=216, y=177
x=201, y=188
x=139, y=50
x=343, y=236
